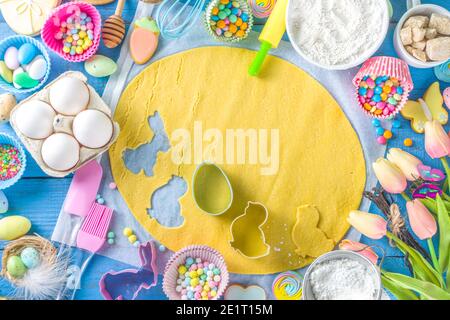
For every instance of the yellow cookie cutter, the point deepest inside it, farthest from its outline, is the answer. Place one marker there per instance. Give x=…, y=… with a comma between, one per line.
x=212, y=189
x=250, y=243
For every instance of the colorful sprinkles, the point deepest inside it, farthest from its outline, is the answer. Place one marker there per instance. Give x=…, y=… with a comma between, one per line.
x=198, y=280
x=380, y=95
x=229, y=20
x=10, y=162
x=76, y=33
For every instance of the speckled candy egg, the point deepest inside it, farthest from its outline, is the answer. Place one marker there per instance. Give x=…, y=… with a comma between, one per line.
x=7, y=103
x=35, y=119
x=92, y=128
x=60, y=151
x=69, y=96
x=15, y=267
x=30, y=257
x=4, y=204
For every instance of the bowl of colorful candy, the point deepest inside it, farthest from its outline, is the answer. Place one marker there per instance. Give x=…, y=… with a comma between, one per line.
x=195, y=273
x=73, y=31
x=382, y=86
x=24, y=64
x=12, y=161
x=229, y=20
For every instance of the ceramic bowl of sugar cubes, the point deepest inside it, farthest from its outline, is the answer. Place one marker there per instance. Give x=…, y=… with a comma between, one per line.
x=64, y=125
x=422, y=36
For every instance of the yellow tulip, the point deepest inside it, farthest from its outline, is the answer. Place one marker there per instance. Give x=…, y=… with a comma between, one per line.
x=406, y=162
x=370, y=225
x=390, y=176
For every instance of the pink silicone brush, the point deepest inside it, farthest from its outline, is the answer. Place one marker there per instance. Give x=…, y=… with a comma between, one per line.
x=92, y=235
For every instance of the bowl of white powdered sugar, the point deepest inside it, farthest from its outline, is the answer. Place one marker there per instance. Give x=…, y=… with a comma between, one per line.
x=342, y=275
x=337, y=35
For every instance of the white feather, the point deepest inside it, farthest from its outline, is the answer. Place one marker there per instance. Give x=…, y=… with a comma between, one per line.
x=46, y=281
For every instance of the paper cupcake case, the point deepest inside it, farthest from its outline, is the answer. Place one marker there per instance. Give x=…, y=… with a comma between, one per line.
x=234, y=39
x=203, y=252
x=17, y=41
x=7, y=139
x=86, y=154
x=388, y=66
x=51, y=27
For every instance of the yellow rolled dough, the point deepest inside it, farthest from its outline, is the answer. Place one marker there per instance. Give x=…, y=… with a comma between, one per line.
x=321, y=162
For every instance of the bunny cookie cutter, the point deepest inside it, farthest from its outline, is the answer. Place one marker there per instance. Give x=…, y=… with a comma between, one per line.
x=118, y=285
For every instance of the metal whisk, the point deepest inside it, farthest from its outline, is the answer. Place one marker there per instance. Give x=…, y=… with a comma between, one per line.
x=176, y=17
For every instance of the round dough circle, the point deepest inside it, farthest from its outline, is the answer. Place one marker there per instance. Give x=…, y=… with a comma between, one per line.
x=60, y=151
x=92, y=128
x=321, y=162
x=35, y=119
x=69, y=96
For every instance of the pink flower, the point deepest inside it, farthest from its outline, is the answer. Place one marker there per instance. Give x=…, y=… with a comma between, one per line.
x=370, y=225
x=390, y=176
x=437, y=142
x=360, y=248
x=421, y=220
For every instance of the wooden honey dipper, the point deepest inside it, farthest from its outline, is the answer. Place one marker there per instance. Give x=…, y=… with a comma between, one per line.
x=114, y=28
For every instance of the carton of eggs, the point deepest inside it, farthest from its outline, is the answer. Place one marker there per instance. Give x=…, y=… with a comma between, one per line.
x=64, y=125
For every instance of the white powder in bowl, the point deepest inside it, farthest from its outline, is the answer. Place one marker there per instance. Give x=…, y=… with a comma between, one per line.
x=343, y=279
x=336, y=32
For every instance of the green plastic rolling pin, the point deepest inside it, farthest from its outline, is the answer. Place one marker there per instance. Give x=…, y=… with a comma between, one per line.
x=270, y=36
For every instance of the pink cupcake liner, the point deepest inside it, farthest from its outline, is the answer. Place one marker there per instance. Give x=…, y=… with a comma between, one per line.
x=389, y=66
x=203, y=252
x=51, y=27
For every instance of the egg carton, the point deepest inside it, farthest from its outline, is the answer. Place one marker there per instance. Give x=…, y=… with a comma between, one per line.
x=86, y=154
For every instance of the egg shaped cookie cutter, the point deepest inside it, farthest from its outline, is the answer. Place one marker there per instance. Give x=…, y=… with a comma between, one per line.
x=211, y=189
x=62, y=124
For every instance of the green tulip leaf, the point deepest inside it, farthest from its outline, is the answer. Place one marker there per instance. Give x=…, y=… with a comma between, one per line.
x=399, y=292
x=421, y=267
x=444, y=235
x=426, y=289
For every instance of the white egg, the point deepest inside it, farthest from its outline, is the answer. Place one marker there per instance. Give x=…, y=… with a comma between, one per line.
x=35, y=119
x=60, y=151
x=69, y=96
x=93, y=128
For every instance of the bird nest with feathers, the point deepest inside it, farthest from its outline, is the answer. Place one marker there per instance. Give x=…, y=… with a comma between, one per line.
x=45, y=248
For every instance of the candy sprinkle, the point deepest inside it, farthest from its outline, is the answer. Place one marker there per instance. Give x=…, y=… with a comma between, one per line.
x=229, y=20
x=380, y=95
x=198, y=279
x=10, y=163
x=408, y=142
x=76, y=33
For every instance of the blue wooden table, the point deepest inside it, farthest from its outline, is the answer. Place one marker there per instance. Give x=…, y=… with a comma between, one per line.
x=40, y=197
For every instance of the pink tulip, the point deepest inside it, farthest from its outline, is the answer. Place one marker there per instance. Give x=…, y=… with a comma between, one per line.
x=437, y=142
x=421, y=220
x=370, y=225
x=360, y=248
x=390, y=176
x=406, y=162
